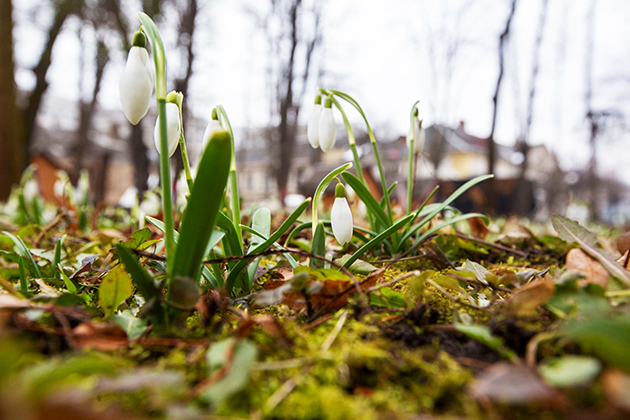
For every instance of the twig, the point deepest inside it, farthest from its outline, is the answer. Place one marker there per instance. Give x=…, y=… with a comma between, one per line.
x=521, y=254
x=397, y=279
x=46, y=228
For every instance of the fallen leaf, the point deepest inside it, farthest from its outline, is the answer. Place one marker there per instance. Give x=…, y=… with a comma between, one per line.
x=578, y=261
x=531, y=296
x=569, y=371
x=617, y=388
x=99, y=336
x=512, y=384
x=115, y=288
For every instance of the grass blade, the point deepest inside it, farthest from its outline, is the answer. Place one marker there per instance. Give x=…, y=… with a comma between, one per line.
x=203, y=206
x=366, y=196
x=375, y=241
x=234, y=273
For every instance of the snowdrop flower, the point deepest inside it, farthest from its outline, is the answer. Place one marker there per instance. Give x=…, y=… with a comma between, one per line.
x=341, y=216
x=313, y=123
x=418, y=135
x=213, y=126
x=30, y=190
x=136, y=82
x=173, y=124
x=327, y=130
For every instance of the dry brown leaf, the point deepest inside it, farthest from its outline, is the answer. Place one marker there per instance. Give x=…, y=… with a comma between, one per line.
x=617, y=387
x=99, y=336
x=531, y=296
x=512, y=384
x=478, y=227
x=334, y=294
x=579, y=262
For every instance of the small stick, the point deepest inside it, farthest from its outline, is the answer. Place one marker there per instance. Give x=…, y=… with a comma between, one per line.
x=493, y=245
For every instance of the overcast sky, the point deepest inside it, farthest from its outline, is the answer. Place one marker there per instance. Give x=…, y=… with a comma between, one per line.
x=388, y=55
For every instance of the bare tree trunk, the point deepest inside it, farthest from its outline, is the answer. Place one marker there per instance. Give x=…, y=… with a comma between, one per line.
x=490, y=192
x=12, y=156
x=523, y=196
x=86, y=112
x=64, y=9
x=288, y=122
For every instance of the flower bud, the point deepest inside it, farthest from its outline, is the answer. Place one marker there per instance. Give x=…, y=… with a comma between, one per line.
x=172, y=128
x=341, y=216
x=418, y=135
x=213, y=126
x=136, y=82
x=327, y=129
x=313, y=123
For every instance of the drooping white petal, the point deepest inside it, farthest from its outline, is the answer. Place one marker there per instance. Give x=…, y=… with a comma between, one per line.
x=419, y=137
x=341, y=220
x=136, y=85
x=327, y=130
x=312, y=129
x=30, y=190
x=212, y=127
x=172, y=129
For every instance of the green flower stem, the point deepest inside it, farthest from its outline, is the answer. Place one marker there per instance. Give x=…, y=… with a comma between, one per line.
x=379, y=164
x=351, y=139
x=411, y=178
x=159, y=60
x=322, y=187
x=184, y=150
x=236, y=203
x=165, y=177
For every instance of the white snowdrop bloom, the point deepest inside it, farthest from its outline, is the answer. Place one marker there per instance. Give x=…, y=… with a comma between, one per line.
x=136, y=83
x=312, y=129
x=30, y=190
x=418, y=134
x=172, y=128
x=327, y=130
x=213, y=126
x=341, y=216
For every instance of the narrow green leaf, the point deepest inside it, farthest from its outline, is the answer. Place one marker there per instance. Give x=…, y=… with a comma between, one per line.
x=70, y=286
x=23, y=281
x=231, y=280
x=203, y=206
x=449, y=222
x=115, y=289
x=482, y=334
x=445, y=204
x=368, y=199
x=319, y=246
x=140, y=277
x=25, y=252
x=57, y=257
x=375, y=241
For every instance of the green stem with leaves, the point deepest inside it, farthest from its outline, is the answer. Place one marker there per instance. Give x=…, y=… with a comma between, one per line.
x=379, y=164
x=159, y=60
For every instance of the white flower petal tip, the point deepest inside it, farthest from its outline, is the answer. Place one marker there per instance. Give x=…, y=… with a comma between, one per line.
x=172, y=129
x=212, y=127
x=419, y=136
x=327, y=130
x=312, y=130
x=136, y=85
x=341, y=220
